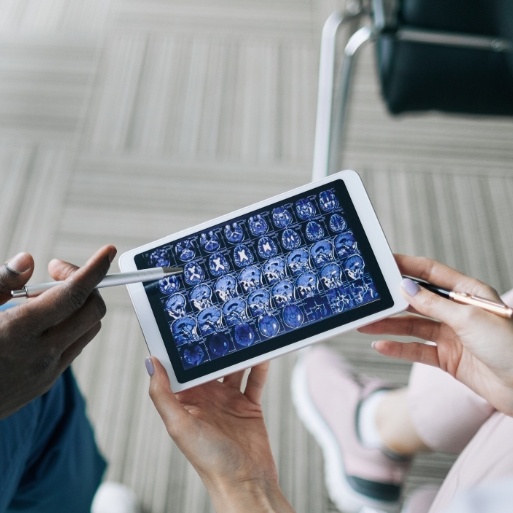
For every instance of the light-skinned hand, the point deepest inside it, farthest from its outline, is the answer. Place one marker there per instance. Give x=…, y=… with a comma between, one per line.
x=471, y=344
x=221, y=431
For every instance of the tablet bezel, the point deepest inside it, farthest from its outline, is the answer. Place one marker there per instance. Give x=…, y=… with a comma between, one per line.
x=376, y=241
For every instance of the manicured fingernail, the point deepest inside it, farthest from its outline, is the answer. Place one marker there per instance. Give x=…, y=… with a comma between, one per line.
x=19, y=264
x=149, y=366
x=410, y=287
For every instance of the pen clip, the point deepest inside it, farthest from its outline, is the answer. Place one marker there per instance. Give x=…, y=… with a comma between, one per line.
x=486, y=304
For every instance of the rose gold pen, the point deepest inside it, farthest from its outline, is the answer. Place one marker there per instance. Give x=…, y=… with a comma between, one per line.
x=467, y=299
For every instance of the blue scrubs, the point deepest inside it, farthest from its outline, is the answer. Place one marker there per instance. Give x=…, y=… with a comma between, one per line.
x=49, y=461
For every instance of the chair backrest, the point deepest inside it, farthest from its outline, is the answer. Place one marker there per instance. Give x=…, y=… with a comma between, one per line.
x=463, y=16
x=456, y=78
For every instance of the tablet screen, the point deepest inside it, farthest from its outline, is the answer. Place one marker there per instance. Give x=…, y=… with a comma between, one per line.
x=263, y=280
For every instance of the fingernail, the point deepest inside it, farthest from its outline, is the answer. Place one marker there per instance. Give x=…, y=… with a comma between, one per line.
x=149, y=366
x=410, y=287
x=19, y=264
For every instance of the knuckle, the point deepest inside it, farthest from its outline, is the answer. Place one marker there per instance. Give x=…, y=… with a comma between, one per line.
x=426, y=265
x=410, y=328
x=153, y=391
x=100, y=308
x=77, y=295
x=46, y=366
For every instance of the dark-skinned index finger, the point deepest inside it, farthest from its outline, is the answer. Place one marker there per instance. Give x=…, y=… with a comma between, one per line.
x=58, y=303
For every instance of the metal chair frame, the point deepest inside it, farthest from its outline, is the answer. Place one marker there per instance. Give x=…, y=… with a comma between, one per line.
x=332, y=111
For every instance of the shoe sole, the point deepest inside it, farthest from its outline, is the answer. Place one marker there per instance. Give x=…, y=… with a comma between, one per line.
x=340, y=491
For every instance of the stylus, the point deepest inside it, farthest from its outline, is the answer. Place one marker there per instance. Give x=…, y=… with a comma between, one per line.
x=111, y=280
x=467, y=299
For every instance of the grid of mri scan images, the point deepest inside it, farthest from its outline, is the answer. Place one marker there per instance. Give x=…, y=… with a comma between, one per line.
x=260, y=276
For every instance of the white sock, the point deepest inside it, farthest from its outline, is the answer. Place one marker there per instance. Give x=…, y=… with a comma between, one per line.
x=367, y=428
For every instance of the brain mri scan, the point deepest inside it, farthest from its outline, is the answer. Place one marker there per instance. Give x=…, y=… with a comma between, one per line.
x=261, y=276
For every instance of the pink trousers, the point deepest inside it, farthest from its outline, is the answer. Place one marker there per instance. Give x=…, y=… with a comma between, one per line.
x=450, y=417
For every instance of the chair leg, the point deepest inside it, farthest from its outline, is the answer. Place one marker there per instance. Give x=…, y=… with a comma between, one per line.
x=356, y=42
x=323, y=153
x=325, y=93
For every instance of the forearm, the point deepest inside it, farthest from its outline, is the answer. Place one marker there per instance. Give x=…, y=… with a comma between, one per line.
x=248, y=496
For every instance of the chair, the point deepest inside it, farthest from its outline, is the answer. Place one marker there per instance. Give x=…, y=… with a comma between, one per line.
x=452, y=56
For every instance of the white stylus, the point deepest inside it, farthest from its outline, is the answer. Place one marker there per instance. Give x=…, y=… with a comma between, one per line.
x=111, y=280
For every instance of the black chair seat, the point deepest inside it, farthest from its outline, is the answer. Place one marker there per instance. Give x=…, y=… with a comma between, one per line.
x=418, y=76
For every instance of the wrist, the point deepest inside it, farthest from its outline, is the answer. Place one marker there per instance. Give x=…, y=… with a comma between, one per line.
x=260, y=495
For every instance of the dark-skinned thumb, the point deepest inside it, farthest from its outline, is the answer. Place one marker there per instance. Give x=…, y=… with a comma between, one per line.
x=14, y=274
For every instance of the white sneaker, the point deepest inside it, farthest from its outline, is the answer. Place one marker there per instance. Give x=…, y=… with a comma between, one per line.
x=115, y=498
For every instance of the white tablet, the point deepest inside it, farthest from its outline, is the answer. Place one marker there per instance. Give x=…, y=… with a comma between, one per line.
x=265, y=280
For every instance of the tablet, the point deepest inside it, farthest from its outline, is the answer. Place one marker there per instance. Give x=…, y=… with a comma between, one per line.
x=265, y=280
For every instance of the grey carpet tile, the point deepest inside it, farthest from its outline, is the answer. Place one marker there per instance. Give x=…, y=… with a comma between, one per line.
x=34, y=185
x=208, y=98
x=34, y=17
x=45, y=83
x=122, y=121
x=246, y=18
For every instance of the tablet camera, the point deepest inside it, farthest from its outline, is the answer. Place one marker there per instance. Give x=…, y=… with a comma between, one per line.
x=290, y=239
x=305, y=209
x=257, y=225
x=314, y=231
x=233, y=233
x=242, y=256
x=328, y=200
x=281, y=217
